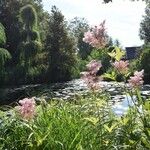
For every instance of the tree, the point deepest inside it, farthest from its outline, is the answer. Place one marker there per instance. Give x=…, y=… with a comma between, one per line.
x=145, y=25
x=144, y=62
x=107, y=1
x=30, y=44
x=78, y=27
x=9, y=17
x=4, y=54
x=60, y=46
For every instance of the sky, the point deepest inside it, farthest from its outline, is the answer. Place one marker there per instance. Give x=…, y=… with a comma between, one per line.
x=122, y=17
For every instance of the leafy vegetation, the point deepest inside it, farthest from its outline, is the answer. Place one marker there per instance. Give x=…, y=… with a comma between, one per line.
x=61, y=49
x=86, y=123
x=4, y=54
x=145, y=25
x=44, y=50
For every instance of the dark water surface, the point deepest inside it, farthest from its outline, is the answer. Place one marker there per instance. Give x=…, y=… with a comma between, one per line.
x=68, y=90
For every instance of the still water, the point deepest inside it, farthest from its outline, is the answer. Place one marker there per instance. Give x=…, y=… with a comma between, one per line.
x=68, y=90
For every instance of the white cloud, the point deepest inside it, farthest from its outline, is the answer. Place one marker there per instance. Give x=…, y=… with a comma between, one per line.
x=122, y=16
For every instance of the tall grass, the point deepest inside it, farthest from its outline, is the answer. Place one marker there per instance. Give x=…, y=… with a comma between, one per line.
x=85, y=124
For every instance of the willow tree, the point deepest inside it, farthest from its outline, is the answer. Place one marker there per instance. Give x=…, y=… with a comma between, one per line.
x=30, y=45
x=9, y=12
x=4, y=54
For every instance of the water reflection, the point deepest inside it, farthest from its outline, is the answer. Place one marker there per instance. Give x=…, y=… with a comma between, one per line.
x=67, y=90
x=121, y=107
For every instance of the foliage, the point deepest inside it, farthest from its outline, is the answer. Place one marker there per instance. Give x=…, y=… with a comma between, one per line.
x=86, y=123
x=145, y=25
x=144, y=60
x=4, y=54
x=106, y=49
x=61, y=49
x=101, y=55
x=10, y=18
x=28, y=16
x=37, y=56
x=30, y=44
x=78, y=27
x=2, y=35
x=107, y=1
x=116, y=54
x=61, y=125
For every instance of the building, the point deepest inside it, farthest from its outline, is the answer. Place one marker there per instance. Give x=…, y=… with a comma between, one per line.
x=132, y=52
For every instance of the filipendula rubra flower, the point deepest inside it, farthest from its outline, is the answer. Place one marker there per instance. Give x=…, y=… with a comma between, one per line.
x=136, y=80
x=97, y=37
x=27, y=108
x=90, y=77
x=121, y=66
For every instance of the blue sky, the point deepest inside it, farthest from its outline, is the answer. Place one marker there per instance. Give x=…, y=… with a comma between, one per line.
x=122, y=17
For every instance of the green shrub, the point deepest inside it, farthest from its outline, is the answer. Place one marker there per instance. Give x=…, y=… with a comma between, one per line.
x=145, y=59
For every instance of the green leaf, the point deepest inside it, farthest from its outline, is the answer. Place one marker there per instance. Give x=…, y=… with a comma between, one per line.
x=145, y=142
x=2, y=35
x=147, y=105
x=112, y=54
x=111, y=76
x=109, y=129
x=92, y=120
x=4, y=56
x=124, y=120
x=117, y=54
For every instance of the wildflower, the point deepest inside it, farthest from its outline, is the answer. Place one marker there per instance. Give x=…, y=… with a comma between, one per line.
x=97, y=37
x=27, y=108
x=137, y=79
x=90, y=77
x=121, y=66
x=94, y=66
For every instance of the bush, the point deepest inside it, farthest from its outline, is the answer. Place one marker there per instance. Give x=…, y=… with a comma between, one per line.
x=144, y=60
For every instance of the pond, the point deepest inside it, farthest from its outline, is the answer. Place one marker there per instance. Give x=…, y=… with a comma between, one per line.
x=68, y=90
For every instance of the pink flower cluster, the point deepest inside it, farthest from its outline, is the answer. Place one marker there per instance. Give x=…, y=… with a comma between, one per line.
x=90, y=76
x=121, y=66
x=94, y=66
x=136, y=80
x=27, y=108
x=97, y=37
